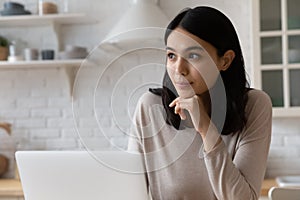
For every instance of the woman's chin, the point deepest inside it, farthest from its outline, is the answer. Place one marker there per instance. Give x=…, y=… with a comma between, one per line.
x=186, y=93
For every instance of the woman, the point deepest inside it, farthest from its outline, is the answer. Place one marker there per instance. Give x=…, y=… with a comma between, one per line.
x=205, y=134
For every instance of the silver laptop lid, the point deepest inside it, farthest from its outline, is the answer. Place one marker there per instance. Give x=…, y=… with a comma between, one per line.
x=80, y=175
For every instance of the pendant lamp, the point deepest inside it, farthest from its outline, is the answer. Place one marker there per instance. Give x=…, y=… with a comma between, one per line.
x=141, y=21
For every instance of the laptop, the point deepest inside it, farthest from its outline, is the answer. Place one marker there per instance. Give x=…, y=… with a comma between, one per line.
x=81, y=175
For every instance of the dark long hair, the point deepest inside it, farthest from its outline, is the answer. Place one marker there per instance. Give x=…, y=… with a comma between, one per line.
x=215, y=28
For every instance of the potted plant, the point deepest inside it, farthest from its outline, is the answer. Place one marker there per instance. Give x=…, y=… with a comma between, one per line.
x=4, y=43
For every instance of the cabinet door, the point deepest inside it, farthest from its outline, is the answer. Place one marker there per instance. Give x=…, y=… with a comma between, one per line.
x=270, y=15
x=294, y=49
x=293, y=14
x=271, y=50
x=277, y=47
x=272, y=83
x=294, y=76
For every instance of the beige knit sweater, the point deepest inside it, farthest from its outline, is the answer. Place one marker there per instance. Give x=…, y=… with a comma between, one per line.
x=179, y=169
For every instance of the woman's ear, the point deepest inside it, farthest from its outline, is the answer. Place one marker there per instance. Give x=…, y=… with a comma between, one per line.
x=227, y=59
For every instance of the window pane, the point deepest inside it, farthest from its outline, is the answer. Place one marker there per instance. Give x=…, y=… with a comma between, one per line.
x=294, y=87
x=294, y=49
x=272, y=84
x=293, y=14
x=270, y=15
x=271, y=50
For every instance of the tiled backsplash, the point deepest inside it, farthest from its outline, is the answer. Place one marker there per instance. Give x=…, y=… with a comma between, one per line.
x=38, y=102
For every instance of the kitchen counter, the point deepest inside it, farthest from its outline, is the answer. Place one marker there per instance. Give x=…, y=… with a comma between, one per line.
x=13, y=187
x=267, y=184
x=10, y=188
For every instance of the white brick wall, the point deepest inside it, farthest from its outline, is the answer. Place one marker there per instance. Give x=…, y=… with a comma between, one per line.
x=38, y=103
x=284, y=157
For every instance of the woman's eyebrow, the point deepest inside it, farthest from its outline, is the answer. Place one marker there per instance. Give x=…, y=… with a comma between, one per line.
x=194, y=48
x=187, y=49
x=170, y=48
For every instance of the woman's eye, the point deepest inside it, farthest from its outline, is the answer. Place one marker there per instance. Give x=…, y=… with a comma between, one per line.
x=171, y=56
x=194, y=56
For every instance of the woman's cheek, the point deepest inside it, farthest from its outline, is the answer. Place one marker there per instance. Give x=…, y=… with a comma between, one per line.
x=208, y=72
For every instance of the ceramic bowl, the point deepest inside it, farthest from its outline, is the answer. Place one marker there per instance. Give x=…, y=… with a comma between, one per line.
x=13, y=5
x=8, y=12
x=13, y=8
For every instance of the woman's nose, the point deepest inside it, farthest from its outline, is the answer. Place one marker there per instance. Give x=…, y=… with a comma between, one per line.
x=182, y=66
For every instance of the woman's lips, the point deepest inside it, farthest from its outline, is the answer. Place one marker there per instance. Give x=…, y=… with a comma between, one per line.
x=183, y=84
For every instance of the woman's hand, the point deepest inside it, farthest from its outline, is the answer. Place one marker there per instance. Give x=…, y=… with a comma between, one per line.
x=194, y=105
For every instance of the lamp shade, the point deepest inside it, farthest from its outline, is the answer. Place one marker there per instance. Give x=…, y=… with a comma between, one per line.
x=141, y=14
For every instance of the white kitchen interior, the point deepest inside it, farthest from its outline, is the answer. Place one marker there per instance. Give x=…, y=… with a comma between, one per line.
x=37, y=100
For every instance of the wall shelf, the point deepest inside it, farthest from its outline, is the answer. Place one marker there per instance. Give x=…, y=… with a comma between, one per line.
x=40, y=64
x=69, y=67
x=36, y=20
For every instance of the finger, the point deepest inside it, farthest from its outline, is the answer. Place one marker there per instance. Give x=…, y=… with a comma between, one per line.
x=182, y=114
x=173, y=103
x=184, y=104
x=177, y=108
x=180, y=111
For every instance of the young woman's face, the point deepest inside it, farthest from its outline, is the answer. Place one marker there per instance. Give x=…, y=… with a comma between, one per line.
x=191, y=63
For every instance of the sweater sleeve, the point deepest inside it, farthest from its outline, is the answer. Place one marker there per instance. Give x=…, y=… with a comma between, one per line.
x=142, y=126
x=241, y=176
x=135, y=135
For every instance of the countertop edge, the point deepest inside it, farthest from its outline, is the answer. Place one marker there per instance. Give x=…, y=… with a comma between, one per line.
x=266, y=186
x=11, y=188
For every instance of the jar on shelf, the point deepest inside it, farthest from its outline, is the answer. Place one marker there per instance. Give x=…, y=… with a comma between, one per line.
x=48, y=7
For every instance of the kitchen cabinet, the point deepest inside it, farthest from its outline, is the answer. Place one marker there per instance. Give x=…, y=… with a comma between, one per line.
x=276, y=53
